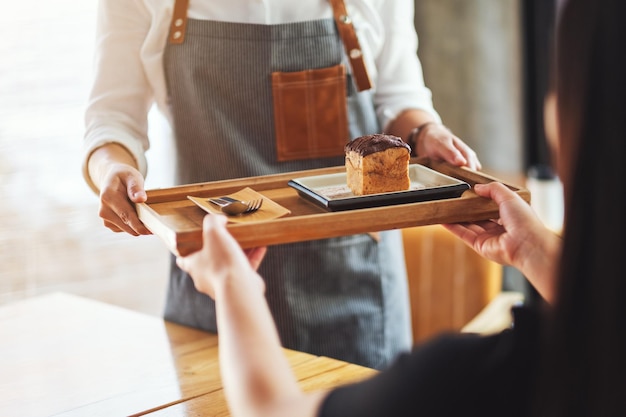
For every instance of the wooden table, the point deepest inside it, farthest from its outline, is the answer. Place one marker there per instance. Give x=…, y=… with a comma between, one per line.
x=63, y=355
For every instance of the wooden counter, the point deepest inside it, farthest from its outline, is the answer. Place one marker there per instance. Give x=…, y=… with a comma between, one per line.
x=64, y=355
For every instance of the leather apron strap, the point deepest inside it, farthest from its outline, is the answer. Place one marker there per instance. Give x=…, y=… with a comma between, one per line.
x=351, y=44
x=178, y=26
x=342, y=20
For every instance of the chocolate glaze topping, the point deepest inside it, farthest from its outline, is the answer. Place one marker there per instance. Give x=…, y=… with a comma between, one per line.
x=366, y=145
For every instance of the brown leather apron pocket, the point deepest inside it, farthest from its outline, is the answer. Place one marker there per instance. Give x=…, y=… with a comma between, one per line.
x=310, y=113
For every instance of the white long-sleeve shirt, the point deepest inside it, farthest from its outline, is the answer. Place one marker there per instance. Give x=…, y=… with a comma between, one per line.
x=132, y=34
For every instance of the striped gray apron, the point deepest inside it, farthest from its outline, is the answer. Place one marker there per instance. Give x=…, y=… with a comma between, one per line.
x=346, y=297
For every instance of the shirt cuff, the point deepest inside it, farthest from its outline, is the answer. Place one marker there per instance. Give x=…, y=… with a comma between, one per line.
x=134, y=147
x=389, y=114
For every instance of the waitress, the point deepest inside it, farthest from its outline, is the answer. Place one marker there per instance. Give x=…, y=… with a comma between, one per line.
x=258, y=87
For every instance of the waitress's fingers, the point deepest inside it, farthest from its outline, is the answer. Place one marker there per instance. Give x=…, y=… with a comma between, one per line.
x=116, y=224
x=122, y=217
x=468, y=153
x=134, y=187
x=113, y=227
x=438, y=142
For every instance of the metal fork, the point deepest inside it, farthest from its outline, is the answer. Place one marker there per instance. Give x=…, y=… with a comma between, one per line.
x=234, y=207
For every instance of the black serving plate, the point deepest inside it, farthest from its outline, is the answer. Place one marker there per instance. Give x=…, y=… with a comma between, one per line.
x=331, y=191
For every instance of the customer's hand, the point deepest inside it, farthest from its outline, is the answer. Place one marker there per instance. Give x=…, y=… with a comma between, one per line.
x=438, y=142
x=121, y=187
x=221, y=258
x=518, y=238
x=500, y=241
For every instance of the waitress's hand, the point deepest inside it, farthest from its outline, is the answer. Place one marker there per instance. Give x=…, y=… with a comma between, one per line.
x=121, y=187
x=518, y=238
x=221, y=258
x=113, y=172
x=438, y=142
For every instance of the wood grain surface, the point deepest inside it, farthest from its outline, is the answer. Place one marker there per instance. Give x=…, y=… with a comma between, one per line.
x=72, y=356
x=178, y=222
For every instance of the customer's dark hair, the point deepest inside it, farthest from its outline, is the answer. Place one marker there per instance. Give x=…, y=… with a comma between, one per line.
x=584, y=368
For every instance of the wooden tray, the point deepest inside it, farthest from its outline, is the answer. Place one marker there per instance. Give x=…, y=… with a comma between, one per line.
x=169, y=214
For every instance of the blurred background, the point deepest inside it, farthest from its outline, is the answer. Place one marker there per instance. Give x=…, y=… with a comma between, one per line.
x=485, y=61
x=51, y=238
